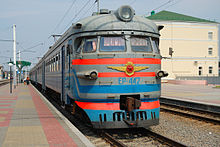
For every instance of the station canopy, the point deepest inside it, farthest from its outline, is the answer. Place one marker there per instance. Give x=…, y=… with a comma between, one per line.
x=22, y=64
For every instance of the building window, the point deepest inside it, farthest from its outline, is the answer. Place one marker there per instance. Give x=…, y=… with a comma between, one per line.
x=210, y=51
x=210, y=35
x=200, y=71
x=210, y=69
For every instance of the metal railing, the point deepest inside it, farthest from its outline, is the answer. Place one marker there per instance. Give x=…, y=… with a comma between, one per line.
x=209, y=79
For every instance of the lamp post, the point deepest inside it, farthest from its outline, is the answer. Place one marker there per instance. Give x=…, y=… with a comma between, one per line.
x=10, y=65
x=14, y=47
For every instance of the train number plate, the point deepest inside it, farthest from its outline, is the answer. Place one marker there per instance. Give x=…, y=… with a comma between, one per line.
x=130, y=81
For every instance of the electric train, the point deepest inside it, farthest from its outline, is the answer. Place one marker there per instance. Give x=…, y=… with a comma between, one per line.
x=108, y=65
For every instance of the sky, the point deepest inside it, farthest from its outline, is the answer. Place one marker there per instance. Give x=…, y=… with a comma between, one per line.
x=37, y=20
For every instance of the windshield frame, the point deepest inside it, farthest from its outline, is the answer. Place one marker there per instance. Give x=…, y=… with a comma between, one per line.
x=122, y=38
x=148, y=41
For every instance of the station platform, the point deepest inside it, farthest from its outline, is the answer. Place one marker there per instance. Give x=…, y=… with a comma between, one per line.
x=27, y=119
x=205, y=94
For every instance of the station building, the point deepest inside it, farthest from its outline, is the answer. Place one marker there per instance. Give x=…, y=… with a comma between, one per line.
x=189, y=45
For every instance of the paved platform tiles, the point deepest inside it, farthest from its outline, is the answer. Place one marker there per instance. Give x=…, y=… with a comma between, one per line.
x=27, y=119
x=199, y=93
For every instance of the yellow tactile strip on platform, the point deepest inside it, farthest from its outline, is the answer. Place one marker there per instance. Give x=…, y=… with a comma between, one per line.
x=3, y=112
x=25, y=136
x=24, y=104
x=24, y=93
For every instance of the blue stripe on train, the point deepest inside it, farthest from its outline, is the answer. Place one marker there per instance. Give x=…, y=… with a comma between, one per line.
x=119, y=88
x=113, y=100
x=94, y=114
x=116, y=88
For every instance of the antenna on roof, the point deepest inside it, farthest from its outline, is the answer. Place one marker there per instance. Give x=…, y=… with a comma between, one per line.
x=55, y=37
x=97, y=1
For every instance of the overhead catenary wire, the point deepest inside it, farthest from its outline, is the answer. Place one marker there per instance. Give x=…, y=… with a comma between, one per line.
x=68, y=10
x=172, y=4
x=77, y=13
x=133, y=2
x=4, y=40
x=162, y=5
x=92, y=6
x=165, y=5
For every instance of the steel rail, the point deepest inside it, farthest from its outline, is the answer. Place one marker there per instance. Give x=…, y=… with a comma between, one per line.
x=5, y=81
x=114, y=142
x=211, y=120
x=163, y=139
x=207, y=108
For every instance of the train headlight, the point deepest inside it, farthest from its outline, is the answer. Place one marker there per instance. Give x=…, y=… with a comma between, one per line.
x=90, y=75
x=161, y=74
x=125, y=13
x=93, y=75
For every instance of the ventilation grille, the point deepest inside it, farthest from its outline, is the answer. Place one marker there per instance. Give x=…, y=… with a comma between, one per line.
x=130, y=116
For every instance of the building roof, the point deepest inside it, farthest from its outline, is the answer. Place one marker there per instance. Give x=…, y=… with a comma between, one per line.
x=171, y=16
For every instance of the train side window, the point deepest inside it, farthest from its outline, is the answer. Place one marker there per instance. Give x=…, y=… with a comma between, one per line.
x=54, y=63
x=50, y=64
x=90, y=45
x=70, y=46
x=141, y=44
x=78, y=45
x=155, y=44
x=57, y=65
x=59, y=61
x=112, y=44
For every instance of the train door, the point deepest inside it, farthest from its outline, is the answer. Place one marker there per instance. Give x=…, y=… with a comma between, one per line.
x=68, y=63
x=68, y=72
x=43, y=76
x=62, y=74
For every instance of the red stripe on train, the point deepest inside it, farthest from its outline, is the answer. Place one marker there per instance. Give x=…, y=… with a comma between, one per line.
x=115, y=106
x=115, y=61
x=123, y=74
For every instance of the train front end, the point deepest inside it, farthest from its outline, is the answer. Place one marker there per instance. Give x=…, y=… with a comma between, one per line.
x=117, y=70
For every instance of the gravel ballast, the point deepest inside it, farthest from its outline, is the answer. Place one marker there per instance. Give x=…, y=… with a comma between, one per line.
x=188, y=131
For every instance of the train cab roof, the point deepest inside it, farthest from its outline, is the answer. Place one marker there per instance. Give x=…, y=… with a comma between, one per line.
x=122, y=20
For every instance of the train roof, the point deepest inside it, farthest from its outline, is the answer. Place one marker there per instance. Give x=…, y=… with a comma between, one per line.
x=109, y=22
x=112, y=23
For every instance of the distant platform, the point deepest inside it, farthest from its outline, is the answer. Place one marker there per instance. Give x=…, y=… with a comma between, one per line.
x=205, y=94
x=27, y=119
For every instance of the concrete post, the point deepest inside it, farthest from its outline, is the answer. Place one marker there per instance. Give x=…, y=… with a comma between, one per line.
x=14, y=46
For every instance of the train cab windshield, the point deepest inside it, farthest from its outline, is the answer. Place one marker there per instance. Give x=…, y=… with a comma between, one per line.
x=90, y=45
x=137, y=44
x=140, y=44
x=112, y=44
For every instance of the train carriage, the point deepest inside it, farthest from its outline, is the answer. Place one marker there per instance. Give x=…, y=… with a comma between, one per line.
x=108, y=65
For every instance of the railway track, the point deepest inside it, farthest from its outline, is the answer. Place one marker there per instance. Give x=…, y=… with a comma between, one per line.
x=5, y=81
x=140, y=137
x=191, y=112
x=108, y=138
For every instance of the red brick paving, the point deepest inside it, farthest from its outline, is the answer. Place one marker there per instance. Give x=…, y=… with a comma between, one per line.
x=6, y=105
x=55, y=133
x=7, y=117
x=3, y=101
